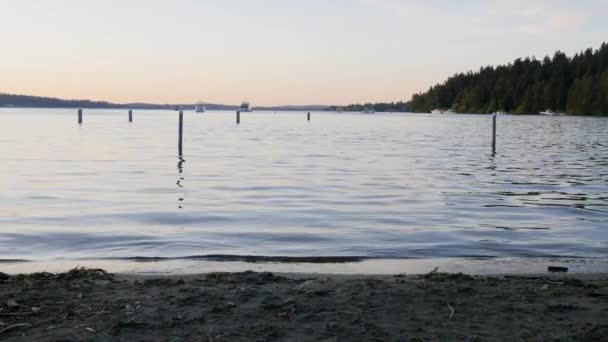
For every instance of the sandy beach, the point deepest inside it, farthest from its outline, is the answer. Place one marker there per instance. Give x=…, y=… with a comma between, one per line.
x=92, y=305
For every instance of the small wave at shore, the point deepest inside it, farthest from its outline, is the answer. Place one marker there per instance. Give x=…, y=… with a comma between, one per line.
x=323, y=265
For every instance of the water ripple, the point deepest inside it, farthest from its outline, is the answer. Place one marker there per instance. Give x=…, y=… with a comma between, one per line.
x=398, y=186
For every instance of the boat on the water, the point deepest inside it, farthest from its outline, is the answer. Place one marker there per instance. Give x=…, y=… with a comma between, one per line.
x=441, y=111
x=340, y=110
x=245, y=107
x=550, y=112
x=199, y=107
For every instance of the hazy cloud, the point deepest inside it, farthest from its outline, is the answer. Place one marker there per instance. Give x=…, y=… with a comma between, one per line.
x=542, y=17
x=534, y=17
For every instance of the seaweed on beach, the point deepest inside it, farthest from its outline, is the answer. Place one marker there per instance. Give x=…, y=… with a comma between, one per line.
x=442, y=276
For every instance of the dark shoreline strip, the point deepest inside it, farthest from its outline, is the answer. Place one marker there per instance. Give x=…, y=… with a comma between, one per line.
x=12, y=261
x=289, y=259
x=257, y=258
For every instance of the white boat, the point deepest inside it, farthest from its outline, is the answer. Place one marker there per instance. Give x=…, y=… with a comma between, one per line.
x=245, y=107
x=199, y=107
x=499, y=112
x=549, y=112
x=441, y=111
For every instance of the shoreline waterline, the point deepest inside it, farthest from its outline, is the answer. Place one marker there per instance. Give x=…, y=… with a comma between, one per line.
x=338, y=266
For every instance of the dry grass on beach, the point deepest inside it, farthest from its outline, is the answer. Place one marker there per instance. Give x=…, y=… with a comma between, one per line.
x=92, y=305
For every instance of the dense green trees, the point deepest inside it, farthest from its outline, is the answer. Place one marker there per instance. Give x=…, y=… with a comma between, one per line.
x=577, y=85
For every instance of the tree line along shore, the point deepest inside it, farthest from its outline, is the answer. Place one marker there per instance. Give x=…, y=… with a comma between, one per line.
x=575, y=85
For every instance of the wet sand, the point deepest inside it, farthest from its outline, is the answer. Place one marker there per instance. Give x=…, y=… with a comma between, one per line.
x=92, y=305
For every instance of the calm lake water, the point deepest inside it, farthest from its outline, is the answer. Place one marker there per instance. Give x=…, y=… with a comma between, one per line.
x=383, y=185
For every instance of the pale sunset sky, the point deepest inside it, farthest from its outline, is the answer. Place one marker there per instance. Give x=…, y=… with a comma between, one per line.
x=275, y=52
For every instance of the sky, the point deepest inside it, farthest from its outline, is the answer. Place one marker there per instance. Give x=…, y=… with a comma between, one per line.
x=275, y=52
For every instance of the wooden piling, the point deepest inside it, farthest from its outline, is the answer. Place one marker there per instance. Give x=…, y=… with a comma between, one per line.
x=493, y=133
x=80, y=116
x=308, y=117
x=238, y=117
x=181, y=132
x=130, y=115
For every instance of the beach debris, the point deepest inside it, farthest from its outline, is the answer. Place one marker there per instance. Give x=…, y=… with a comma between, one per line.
x=443, y=277
x=239, y=289
x=290, y=310
x=557, y=269
x=305, y=285
x=35, y=309
x=91, y=330
x=130, y=310
x=11, y=303
x=83, y=273
x=452, y=311
x=14, y=326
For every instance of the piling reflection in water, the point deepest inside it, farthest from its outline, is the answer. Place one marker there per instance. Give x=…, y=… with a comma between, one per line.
x=180, y=180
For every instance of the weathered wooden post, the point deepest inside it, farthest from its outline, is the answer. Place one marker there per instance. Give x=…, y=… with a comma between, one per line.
x=80, y=116
x=130, y=115
x=181, y=131
x=493, y=133
x=308, y=117
x=238, y=117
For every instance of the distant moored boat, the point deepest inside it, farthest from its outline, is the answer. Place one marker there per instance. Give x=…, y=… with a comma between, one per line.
x=550, y=112
x=441, y=111
x=199, y=107
x=245, y=107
